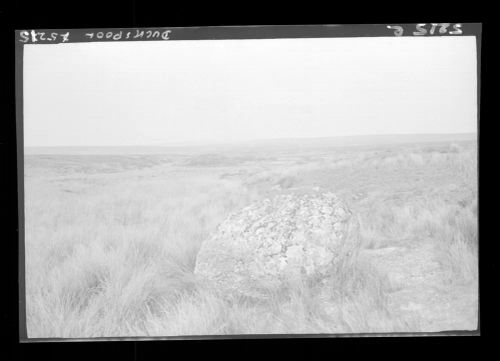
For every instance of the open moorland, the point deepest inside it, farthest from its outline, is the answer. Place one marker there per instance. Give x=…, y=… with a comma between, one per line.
x=111, y=239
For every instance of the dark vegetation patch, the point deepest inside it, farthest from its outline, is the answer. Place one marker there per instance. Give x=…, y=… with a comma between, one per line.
x=216, y=160
x=93, y=164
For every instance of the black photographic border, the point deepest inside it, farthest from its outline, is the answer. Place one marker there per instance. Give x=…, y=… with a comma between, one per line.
x=208, y=33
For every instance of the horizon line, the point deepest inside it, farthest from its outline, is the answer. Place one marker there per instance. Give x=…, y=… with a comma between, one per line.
x=221, y=142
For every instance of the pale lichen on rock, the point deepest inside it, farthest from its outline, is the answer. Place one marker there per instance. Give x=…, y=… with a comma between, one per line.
x=276, y=240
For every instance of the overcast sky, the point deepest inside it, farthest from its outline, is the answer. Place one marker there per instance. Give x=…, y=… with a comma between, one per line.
x=161, y=92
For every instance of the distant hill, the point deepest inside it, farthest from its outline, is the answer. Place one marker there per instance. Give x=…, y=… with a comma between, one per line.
x=371, y=139
x=284, y=143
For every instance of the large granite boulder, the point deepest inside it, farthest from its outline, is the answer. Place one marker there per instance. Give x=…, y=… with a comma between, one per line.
x=289, y=237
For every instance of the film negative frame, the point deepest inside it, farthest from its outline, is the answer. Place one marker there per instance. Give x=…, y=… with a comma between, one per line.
x=64, y=36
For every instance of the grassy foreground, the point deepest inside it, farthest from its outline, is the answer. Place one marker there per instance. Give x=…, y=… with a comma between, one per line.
x=111, y=241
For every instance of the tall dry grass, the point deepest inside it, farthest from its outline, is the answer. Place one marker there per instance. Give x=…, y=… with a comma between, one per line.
x=97, y=264
x=119, y=262
x=114, y=256
x=447, y=216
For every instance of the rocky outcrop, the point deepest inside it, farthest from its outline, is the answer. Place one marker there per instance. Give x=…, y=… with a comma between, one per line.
x=277, y=240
